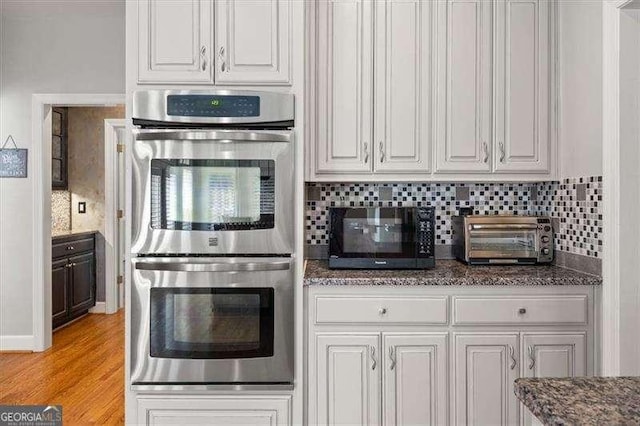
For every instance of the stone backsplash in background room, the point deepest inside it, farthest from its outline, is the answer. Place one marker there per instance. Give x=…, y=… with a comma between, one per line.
x=574, y=204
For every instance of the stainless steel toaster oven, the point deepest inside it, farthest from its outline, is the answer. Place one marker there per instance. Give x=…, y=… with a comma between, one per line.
x=502, y=239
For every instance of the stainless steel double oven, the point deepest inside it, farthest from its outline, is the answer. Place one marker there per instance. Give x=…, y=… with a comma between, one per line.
x=212, y=239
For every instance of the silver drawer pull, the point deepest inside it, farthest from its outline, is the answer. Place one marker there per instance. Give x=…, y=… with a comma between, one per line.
x=382, y=311
x=70, y=248
x=522, y=311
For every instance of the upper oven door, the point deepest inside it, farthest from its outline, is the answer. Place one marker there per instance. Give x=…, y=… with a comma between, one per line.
x=212, y=192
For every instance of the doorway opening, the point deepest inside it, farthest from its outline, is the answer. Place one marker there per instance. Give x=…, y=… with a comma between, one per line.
x=79, y=193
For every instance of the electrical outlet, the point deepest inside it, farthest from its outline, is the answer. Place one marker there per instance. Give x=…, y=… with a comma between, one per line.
x=82, y=207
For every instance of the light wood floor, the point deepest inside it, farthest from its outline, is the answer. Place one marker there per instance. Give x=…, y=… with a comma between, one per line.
x=83, y=372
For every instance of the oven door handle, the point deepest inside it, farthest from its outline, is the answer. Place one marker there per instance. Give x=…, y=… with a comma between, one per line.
x=214, y=267
x=213, y=135
x=503, y=226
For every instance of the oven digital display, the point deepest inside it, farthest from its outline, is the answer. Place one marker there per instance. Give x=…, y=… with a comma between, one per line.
x=213, y=106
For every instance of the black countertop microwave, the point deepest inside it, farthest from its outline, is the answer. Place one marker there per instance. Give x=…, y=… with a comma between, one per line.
x=382, y=238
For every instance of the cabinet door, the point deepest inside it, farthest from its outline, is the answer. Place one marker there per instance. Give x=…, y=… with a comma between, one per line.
x=486, y=365
x=252, y=42
x=415, y=379
x=522, y=76
x=59, y=294
x=463, y=112
x=344, y=86
x=82, y=282
x=258, y=411
x=553, y=355
x=403, y=86
x=175, y=38
x=347, y=379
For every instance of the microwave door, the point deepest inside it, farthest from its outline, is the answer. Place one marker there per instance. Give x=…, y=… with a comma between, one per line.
x=502, y=243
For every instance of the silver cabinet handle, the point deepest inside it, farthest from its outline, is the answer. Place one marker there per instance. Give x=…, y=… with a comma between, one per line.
x=366, y=152
x=392, y=357
x=513, y=357
x=381, y=152
x=372, y=351
x=522, y=311
x=223, y=63
x=70, y=247
x=203, y=57
x=502, y=153
x=485, y=147
x=382, y=311
x=532, y=358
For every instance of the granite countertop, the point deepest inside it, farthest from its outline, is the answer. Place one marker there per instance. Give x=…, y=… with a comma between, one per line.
x=448, y=272
x=71, y=232
x=582, y=400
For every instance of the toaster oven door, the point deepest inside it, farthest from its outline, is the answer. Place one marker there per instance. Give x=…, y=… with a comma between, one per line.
x=502, y=243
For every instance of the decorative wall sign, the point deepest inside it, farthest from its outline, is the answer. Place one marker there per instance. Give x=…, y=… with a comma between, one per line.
x=13, y=161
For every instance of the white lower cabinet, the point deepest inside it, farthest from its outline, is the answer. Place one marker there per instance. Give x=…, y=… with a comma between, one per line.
x=415, y=378
x=553, y=355
x=190, y=410
x=486, y=365
x=361, y=382
x=347, y=379
x=375, y=357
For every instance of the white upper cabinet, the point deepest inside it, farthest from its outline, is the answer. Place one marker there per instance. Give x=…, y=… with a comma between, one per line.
x=522, y=76
x=348, y=379
x=175, y=39
x=344, y=86
x=463, y=112
x=252, y=42
x=415, y=378
x=403, y=86
x=486, y=365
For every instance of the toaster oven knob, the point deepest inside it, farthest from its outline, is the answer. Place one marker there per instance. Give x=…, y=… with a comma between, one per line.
x=545, y=251
x=545, y=239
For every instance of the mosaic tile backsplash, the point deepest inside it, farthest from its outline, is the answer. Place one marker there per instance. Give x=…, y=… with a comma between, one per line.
x=575, y=202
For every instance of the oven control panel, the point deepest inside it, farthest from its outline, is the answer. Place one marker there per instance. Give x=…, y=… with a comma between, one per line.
x=425, y=224
x=213, y=106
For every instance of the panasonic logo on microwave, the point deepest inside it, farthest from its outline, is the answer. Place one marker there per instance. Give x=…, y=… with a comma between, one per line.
x=213, y=241
x=380, y=262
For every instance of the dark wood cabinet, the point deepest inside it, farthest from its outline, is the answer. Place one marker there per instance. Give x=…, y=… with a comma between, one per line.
x=73, y=279
x=59, y=149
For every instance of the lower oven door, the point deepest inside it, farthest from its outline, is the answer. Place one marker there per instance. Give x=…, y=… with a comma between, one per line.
x=212, y=321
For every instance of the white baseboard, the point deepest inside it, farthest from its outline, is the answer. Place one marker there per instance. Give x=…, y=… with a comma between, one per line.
x=100, y=308
x=16, y=343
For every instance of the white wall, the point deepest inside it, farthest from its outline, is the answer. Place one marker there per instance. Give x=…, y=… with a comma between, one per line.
x=580, y=80
x=630, y=191
x=53, y=46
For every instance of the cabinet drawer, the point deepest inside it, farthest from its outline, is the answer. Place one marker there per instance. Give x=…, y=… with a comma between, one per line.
x=69, y=248
x=345, y=309
x=520, y=310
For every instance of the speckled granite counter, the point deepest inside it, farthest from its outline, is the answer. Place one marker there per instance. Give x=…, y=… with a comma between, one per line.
x=448, y=272
x=582, y=400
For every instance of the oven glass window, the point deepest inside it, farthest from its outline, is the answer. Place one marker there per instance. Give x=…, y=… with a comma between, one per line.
x=212, y=195
x=507, y=243
x=211, y=323
x=373, y=232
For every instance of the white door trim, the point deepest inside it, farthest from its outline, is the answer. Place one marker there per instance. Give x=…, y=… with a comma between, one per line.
x=610, y=327
x=111, y=128
x=40, y=170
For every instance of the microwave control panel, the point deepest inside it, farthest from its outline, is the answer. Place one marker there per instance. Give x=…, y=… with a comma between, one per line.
x=218, y=106
x=425, y=231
